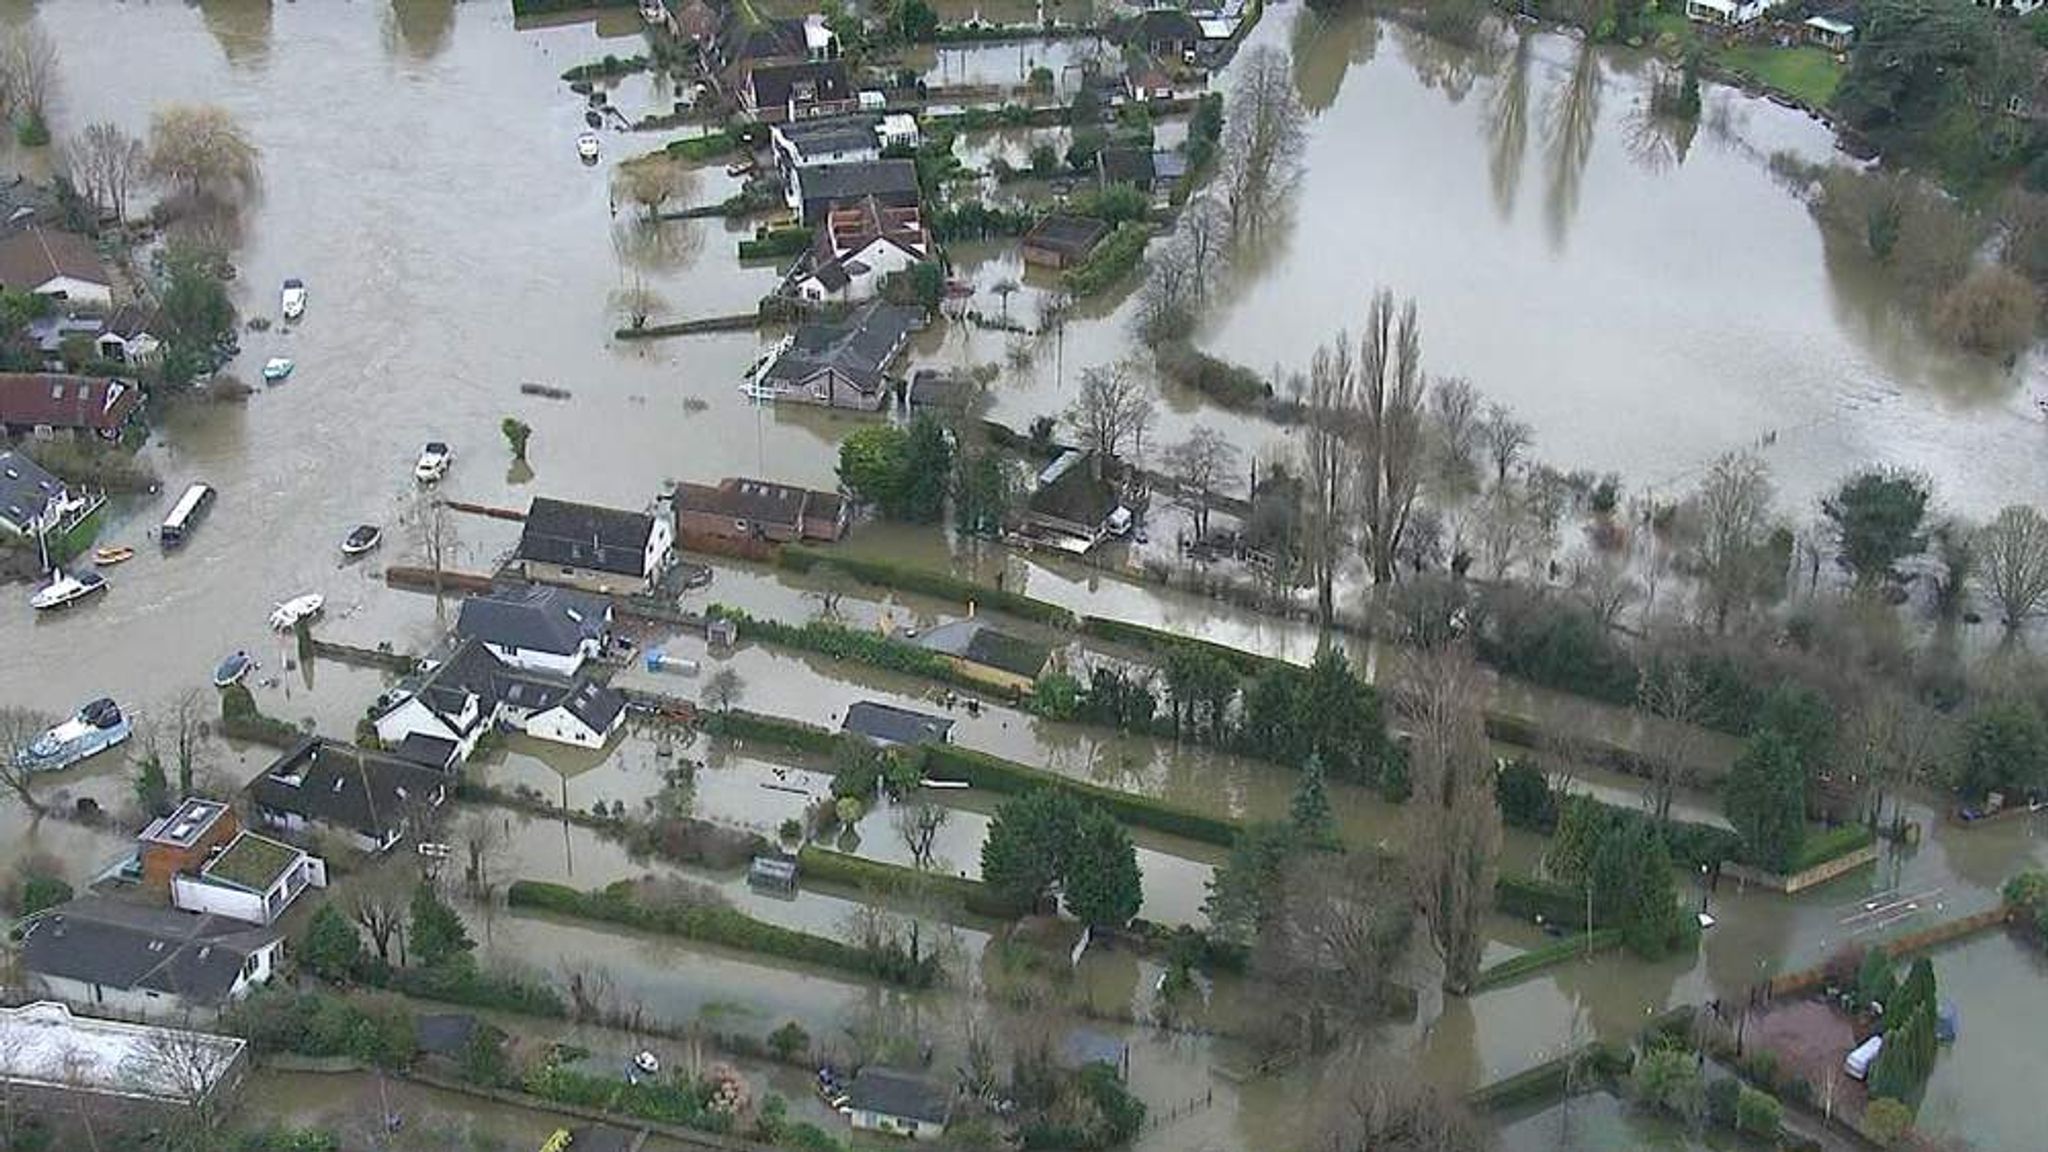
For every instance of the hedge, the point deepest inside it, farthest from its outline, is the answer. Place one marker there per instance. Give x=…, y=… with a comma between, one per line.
x=909, y=578
x=1537, y=959
x=1231, y=385
x=775, y=243
x=1547, y=1080
x=826, y=866
x=241, y=720
x=850, y=644
x=1830, y=845
x=609, y=66
x=709, y=146
x=659, y=1100
x=742, y=725
x=1158, y=641
x=1529, y=898
x=712, y=924
x=1113, y=260
x=992, y=774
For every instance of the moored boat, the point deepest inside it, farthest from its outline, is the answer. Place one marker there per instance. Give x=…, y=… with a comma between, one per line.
x=587, y=147
x=277, y=368
x=233, y=669
x=296, y=609
x=293, y=301
x=106, y=557
x=90, y=731
x=361, y=539
x=63, y=590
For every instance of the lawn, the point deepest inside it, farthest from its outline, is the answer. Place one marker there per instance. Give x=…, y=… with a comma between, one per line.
x=1805, y=72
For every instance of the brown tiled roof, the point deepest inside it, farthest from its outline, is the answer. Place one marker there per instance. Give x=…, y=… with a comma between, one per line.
x=761, y=501
x=35, y=256
x=37, y=399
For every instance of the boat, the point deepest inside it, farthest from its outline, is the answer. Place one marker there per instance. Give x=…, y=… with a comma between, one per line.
x=232, y=669
x=433, y=462
x=63, y=590
x=91, y=730
x=106, y=557
x=361, y=539
x=298, y=608
x=586, y=146
x=277, y=368
x=739, y=168
x=293, y=303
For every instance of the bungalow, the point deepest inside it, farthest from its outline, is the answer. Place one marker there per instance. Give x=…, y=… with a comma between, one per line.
x=818, y=190
x=1728, y=13
x=141, y=960
x=43, y=405
x=538, y=627
x=456, y=700
x=369, y=799
x=1165, y=33
x=898, y=1103
x=126, y=337
x=596, y=549
x=822, y=143
x=54, y=1062
x=841, y=364
x=858, y=249
x=890, y=726
x=1071, y=508
x=253, y=880
x=778, y=93
x=63, y=265
x=32, y=501
x=1062, y=241
x=743, y=509
x=996, y=658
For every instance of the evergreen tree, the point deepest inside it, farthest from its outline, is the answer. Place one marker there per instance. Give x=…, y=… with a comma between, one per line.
x=153, y=788
x=1245, y=891
x=1309, y=813
x=435, y=933
x=332, y=948
x=1025, y=852
x=927, y=469
x=1766, y=798
x=1101, y=881
x=1581, y=826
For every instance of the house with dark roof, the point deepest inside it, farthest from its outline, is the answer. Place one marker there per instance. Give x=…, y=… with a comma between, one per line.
x=988, y=654
x=472, y=692
x=777, y=93
x=538, y=626
x=840, y=364
x=144, y=960
x=63, y=265
x=253, y=879
x=370, y=799
x=899, y=1103
x=859, y=247
x=1166, y=33
x=739, y=508
x=31, y=500
x=1125, y=164
x=889, y=726
x=1072, y=508
x=934, y=390
x=577, y=711
x=821, y=143
x=597, y=549
x=46, y=404
x=1062, y=241
x=126, y=338
x=889, y=183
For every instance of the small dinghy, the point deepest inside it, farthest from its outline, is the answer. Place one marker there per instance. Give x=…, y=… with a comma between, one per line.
x=108, y=557
x=277, y=368
x=293, y=301
x=233, y=669
x=361, y=539
x=587, y=147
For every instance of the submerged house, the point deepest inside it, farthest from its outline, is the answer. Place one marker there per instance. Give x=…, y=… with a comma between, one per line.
x=369, y=799
x=988, y=654
x=597, y=549
x=898, y=1103
x=739, y=508
x=538, y=627
x=1071, y=508
x=889, y=183
x=142, y=960
x=1062, y=241
x=473, y=692
x=890, y=726
x=47, y=404
x=840, y=364
x=857, y=249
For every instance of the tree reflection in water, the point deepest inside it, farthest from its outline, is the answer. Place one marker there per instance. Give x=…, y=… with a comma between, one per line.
x=1570, y=118
x=1507, y=125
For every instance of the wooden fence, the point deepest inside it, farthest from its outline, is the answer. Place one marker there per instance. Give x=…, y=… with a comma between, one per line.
x=1806, y=980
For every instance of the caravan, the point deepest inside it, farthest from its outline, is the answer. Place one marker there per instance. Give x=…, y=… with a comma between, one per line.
x=1859, y=1062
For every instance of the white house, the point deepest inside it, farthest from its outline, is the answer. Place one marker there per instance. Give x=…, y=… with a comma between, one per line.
x=144, y=960
x=254, y=879
x=456, y=701
x=127, y=338
x=32, y=501
x=604, y=550
x=1727, y=12
x=371, y=800
x=63, y=265
x=586, y=716
x=46, y=1052
x=821, y=143
x=858, y=248
x=538, y=628
x=898, y=1103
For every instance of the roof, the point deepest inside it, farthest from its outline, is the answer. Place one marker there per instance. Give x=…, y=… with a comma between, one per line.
x=59, y=401
x=25, y=489
x=253, y=862
x=902, y=1094
x=131, y=320
x=531, y=691
x=187, y=824
x=829, y=134
x=889, y=724
x=860, y=348
x=1831, y=25
x=46, y=1044
x=892, y=182
x=471, y=670
x=1068, y=235
x=426, y=751
x=34, y=256
x=931, y=388
x=596, y=705
x=444, y=1033
x=742, y=498
x=1161, y=25
x=1072, y=492
x=1125, y=165
x=586, y=536
x=810, y=81
x=117, y=944
x=535, y=617
x=342, y=785
x=975, y=641
x=767, y=40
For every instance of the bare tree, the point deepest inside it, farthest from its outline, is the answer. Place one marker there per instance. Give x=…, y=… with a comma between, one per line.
x=1887, y=740
x=1455, y=831
x=1262, y=135
x=1328, y=947
x=1734, y=506
x=200, y=149
x=1670, y=699
x=1114, y=408
x=28, y=59
x=1506, y=530
x=637, y=302
x=1166, y=302
x=918, y=826
x=1505, y=438
x=1204, y=230
x=1454, y=412
x=187, y=1066
x=177, y=729
x=1389, y=428
x=1200, y=465
x=437, y=539
x=723, y=689
x=1380, y=1105
x=2014, y=569
x=378, y=901
x=1327, y=462
x=1602, y=583
x=485, y=844
x=651, y=182
x=19, y=728
x=105, y=163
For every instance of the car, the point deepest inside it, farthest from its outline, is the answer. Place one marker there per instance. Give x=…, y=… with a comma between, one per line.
x=433, y=462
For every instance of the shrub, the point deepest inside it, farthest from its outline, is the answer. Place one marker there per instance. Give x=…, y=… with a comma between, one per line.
x=1834, y=843
x=1669, y=1079
x=1113, y=260
x=741, y=725
x=1537, y=959
x=241, y=720
x=789, y=1041
x=41, y=890
x=775, y=243
x=1757, y=1113
x=1526, y=800
x=1886, y=1121
x=1722, y=1097
x=1231, y=385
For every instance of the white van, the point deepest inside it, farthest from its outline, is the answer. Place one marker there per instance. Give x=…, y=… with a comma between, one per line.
x=1859, y=1062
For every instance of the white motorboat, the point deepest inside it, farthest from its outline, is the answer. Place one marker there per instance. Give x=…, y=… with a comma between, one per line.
x=277, y=368
x=63, y=590
x=362, y=538
x=433, y=462
x=298, y=608
x=293, y=302
x=587, y=147
x=92, y=730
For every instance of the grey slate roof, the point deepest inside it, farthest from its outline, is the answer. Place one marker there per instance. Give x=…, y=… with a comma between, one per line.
x=901, y=1094
x=537, y=618
x=1070, y=236
x=893, y=184
x=586, y=536
x=597, y=705
x=774, y=85
x=143, y=947
x=888, y=724
x=471, y=670
x=25, y=488
x=344, y=786
x=1125, y=165
x=830, y=134
x=975, y=641
x=425, y=751
x=860, y=349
